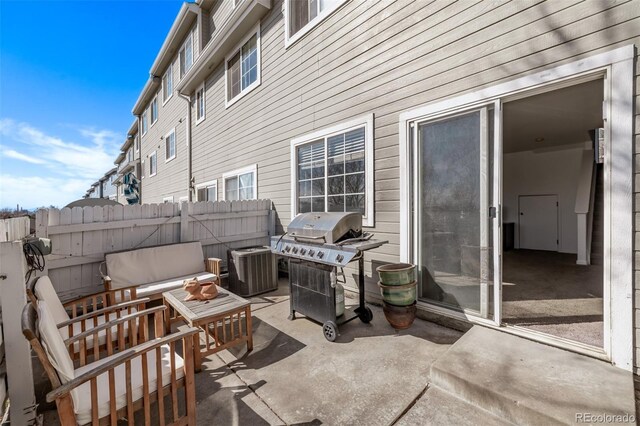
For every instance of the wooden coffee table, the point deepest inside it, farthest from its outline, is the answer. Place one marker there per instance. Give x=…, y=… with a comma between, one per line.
x=220, y=320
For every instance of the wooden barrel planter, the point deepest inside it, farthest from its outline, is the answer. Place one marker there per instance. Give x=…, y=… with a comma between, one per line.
x=398, y=287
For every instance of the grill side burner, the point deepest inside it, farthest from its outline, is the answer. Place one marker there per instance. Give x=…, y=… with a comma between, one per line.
x=317, y=244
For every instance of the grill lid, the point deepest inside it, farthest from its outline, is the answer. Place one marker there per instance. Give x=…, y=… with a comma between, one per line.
x=329, y=228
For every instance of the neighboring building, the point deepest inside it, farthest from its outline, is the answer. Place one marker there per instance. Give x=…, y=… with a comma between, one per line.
x=442, y=123
x=128, y=162
x=108, y=184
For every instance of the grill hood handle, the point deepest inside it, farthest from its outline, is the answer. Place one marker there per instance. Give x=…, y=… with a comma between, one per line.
x=303, y=238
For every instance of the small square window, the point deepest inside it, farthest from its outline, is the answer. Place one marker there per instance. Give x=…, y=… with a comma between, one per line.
x=240, y=184
x=207, y=191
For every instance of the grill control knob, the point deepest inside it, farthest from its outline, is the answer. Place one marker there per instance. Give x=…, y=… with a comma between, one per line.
x=312, y=252
x=339, y=258
x=320, y=254
x=303, y=251
x=287, y=249
x=295, y=250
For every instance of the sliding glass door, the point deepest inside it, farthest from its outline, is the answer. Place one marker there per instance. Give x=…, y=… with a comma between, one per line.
x=456, y=214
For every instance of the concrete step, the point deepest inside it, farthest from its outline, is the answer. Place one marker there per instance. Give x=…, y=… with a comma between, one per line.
x=528, y=383
x=438, y=407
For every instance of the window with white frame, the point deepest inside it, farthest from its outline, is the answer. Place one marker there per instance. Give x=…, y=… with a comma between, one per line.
x=130, y=155
x=243, y=67
x=137, y=142
x=153, y=164
x=167, y=84
x=303, y=15
x=145, y=123
x=143, y=171
x=200, y=104
x=333, y=170
x=170, y=145
x=154, y=110
x=186, y=55
x=240, y=184
x=207, y=191
x=168, y=199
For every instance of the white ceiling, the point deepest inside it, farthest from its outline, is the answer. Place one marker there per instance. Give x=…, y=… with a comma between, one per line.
x=561, y=117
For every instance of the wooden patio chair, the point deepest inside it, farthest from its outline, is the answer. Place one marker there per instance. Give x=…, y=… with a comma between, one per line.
x=123, y=382
x=80, y=315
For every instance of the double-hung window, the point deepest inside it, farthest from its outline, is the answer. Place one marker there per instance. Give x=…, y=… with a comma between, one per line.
x=334, y=170
x=153, y=164
x=154, y=110
x=207, y=191
x=145, y=123
x=243, y=68
x=167, y=84
x=136, y=142
x=240, y=184
x=200, y=104
x=170, y=145
x=186, y=55
x=302, y=15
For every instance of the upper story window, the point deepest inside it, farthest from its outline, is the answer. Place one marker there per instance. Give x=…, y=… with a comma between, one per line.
x=207, y=191
x=302, y=15
x=129, y=155
x=143, y=171
x=167, y=84
x=186, y=55
x=242, y=71
x=137, y=142
x=154, y=110
x=145, y=123
x=240, y=184
x=200, y=104
x=334, y=170
x=153, y=164
x=170, y=145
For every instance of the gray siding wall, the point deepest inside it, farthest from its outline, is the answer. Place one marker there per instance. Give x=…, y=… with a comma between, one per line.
x=384, y=58
x=171, y=177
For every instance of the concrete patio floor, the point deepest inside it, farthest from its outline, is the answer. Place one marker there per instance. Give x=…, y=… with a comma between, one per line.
x=370, y=375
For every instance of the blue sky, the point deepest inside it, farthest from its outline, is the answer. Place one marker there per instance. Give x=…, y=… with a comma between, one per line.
x=70, y=72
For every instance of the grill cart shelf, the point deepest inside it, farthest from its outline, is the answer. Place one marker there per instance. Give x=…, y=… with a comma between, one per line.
x=317, y=244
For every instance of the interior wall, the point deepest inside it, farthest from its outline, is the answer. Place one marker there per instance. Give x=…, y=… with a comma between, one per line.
x=544, y=173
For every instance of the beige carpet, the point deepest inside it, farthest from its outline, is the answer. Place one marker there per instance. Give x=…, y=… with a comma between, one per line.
x=548, y=292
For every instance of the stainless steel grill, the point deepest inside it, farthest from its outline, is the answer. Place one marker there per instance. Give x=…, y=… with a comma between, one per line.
x=317, y=244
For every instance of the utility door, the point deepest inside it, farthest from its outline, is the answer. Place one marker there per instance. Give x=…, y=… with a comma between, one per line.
x=538, y=222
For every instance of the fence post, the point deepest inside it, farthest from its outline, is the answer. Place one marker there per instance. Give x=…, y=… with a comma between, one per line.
x=17, y=351
x=185, y=207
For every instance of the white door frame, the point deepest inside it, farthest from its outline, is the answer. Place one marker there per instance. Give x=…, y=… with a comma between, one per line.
x=618, y=70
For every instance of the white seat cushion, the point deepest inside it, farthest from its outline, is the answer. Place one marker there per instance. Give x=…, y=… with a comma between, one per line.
x=44, y=291
x=53, y=343
x=148, y=290
x=153, y=264
x=82, y=394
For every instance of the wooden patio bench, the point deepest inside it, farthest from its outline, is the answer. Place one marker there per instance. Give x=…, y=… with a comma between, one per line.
x=117, y=385
x=150, y=271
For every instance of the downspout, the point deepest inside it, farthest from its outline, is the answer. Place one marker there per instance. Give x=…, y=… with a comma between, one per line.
x=189, y=150
x=139, y=175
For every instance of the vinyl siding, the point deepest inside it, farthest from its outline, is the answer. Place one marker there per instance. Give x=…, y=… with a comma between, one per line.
x=386, y=58
x=171, y=177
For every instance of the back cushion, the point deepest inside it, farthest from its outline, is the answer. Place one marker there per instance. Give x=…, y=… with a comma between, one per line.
x=151, y=264
x=53, y=343
x=44, y=291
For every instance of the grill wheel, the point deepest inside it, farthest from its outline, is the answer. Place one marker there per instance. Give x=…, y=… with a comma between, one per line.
x=330, y=330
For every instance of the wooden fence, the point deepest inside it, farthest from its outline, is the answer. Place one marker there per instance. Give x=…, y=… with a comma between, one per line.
x=80, y=237
x=14, y=228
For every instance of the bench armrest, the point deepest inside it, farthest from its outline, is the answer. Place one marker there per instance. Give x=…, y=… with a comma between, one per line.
x=121, y=358
x=212, y=265
x=103, y=311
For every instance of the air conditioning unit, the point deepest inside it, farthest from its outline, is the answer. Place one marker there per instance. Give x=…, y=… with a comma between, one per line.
x=252, y=270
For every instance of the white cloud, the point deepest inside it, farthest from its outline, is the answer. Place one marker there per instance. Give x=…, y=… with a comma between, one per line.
x=22, y=157
x=60, y=170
